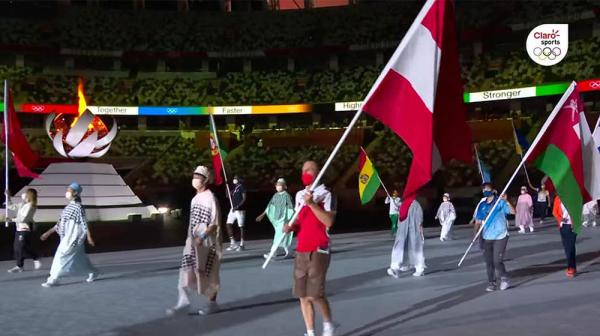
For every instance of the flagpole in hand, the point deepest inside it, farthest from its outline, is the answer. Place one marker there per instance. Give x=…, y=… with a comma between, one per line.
x=384, y=188
x=524, y=158
x=6, y=151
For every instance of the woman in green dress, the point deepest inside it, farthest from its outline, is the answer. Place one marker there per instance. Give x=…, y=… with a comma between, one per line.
x=279, y=211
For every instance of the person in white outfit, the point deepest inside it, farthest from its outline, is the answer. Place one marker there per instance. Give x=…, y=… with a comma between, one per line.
x=70, y=257
x=590, y=212
x=408, y=246
x=446, y=214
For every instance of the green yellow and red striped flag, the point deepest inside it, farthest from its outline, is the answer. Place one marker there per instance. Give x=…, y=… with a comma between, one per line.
x=368, y=179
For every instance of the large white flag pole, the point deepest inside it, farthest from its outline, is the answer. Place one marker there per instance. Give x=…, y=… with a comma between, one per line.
x=6, y=152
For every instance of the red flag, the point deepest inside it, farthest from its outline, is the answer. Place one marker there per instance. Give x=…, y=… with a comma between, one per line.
x=216, y=160
x=23, y=156
x=419, y=95
x=215, y=152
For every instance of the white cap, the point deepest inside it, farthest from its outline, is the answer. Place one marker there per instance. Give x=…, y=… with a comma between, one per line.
x=204, y=171
x=281, y=180
x=447, y=195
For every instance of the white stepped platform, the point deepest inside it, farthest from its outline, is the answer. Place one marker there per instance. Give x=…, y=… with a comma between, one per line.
x=105, y=195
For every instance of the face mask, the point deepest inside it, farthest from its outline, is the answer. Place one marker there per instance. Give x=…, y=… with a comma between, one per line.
x=307, y=179
x=68, y=195
x=196, y=183
x=235, y=181
x=24, y=197
x=488, y=193
x=279, y=188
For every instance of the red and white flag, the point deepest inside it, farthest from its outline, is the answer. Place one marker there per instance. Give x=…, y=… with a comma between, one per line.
x=419, y=95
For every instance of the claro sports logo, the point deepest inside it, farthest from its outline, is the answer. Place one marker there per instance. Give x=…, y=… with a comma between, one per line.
x=548, y=44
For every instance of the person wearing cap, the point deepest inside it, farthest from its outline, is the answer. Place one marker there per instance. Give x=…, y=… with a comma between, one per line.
x=316, y=215
x=203, y=251
x=279, y=211
x=494, y=235
x=446, y=214
x=236, y=214
x=70, y=257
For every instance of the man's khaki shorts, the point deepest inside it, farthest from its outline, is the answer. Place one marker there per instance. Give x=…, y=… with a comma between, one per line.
x=310, y=271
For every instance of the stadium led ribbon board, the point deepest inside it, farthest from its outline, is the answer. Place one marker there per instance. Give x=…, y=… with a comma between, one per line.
x=518, y=93
x=165, y=110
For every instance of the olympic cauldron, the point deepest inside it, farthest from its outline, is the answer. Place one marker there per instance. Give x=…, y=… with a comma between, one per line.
x=84, y=135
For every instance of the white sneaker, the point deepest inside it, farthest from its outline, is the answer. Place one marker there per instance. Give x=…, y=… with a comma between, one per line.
x=585, y=224
x=522, y=231
x=15, y=269
x=211, y=308
x=37, y=265
x=50, y=283
x=419, y=273
x=329, y=329
x=92, y=277
x=393, y=273
x=594, y=224
x=404, y=268
x=531, y=229
x=232, y=247
x=240, y=248
x=504, y=284
x=442, y=239
x=179, y=308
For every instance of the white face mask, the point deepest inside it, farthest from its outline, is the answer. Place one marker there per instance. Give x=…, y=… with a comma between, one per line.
x=68, y=195
x=279, y=188
x=24, y=197
x=196, y=183
x=235, y=181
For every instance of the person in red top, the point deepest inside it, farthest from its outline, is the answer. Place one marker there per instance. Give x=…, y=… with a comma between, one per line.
x=316, y=215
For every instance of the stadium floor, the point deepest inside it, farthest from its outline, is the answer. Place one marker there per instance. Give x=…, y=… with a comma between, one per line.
x=136, y=286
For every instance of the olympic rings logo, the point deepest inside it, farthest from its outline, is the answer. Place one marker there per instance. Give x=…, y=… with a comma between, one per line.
x=547, y=53
x=595, y=85
x=37, y=108
x=171, y=111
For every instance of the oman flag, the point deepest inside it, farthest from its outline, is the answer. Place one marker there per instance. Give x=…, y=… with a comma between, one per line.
x=419, y=96
x=565, y=151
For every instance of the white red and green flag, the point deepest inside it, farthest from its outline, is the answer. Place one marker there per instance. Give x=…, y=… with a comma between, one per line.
x=368, y=178
x=419, y=95
x=566, y=152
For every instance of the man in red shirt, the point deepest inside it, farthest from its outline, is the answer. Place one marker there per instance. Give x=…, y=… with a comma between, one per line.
x=316, y=215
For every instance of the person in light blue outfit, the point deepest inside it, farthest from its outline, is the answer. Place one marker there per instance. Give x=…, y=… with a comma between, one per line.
x=494, y=235
x=70, y=257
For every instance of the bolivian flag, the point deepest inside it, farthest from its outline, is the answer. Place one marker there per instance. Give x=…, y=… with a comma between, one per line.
x=368, y=179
